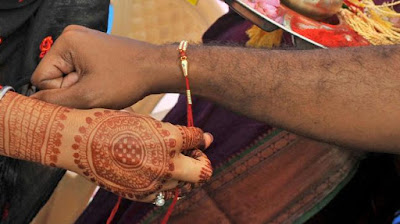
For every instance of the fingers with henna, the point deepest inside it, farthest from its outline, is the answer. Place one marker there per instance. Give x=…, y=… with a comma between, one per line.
x=198, y=168
x=193, y=170
x=193, y=137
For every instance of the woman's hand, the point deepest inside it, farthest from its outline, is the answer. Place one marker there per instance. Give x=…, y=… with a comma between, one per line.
x=132, y=155
x=136, y=156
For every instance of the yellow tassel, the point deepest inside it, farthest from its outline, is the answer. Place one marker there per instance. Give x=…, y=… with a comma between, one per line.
x=262, y=39
x=374, y=22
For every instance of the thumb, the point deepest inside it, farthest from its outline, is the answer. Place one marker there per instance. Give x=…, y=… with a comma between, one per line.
x=49, y=74
x=68, y=97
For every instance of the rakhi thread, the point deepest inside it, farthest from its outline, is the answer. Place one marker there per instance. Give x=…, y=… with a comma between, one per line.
x=184, y=65
x=114, y=211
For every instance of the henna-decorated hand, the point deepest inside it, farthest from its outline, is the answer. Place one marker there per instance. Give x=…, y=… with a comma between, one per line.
x=132, y=155
x=87, y=69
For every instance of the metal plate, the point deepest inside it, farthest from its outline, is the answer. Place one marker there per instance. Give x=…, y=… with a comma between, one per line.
x=291, y=20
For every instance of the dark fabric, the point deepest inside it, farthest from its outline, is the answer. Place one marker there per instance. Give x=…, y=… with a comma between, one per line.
x=372, y=196
x=15, y=25
x=24, y=186
x=230, y=28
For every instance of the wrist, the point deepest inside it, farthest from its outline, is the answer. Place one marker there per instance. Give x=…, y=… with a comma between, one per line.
x=166, y=74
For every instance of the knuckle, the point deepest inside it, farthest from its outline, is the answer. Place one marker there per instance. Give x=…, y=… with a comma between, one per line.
x=176, y=136
x=73, y=28
x=174, y=132
x=38, y=77
x=72, y=32
x=198, y=130
x=180, y=131
x=197, y=136
x=195, y=132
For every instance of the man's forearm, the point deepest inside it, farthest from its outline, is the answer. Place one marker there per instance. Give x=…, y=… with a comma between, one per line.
x=349, y=97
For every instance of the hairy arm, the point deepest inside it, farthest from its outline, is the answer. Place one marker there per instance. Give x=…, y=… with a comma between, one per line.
x=349, y=97
x=131, y=155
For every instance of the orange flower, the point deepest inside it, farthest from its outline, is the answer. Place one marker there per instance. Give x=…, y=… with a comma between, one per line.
x=45, y=46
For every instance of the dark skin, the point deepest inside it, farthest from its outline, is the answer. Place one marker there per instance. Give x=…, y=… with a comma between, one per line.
x=349, y=97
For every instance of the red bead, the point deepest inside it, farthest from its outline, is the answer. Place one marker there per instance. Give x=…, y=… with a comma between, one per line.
x=182, y=53
x=1, y=40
